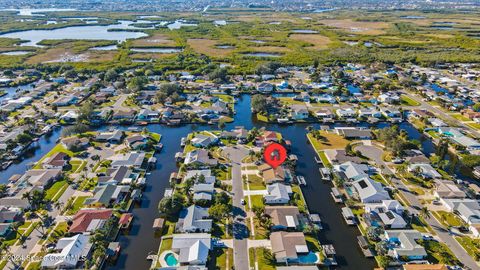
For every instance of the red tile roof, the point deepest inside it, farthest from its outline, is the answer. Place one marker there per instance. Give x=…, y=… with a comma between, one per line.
x=125, y=218
x=82, y=219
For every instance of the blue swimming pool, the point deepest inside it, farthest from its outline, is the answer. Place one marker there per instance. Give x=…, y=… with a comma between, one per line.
x=310, y=258
x=171, y=260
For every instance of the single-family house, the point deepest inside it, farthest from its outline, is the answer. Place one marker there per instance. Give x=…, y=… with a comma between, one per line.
x=354, y=133
x=70, y=251
x=89, y=220
x=278, y=194
x=288, y=246
x=448, y=190
x=370, y=191
x=40, y=178
x=424, y=170
x=108, y=196
x=130, y=159
x=325, y=115
x=204, y=140
x=192, y=248
x=207, y=176
x=352, y=171
x=56, y=161
x=194, y=219
x=110, y=136
x=203, y=191
x=299, y=112
x=200, y=157
x=404, y=244
x=265, y=87
x=283, y=217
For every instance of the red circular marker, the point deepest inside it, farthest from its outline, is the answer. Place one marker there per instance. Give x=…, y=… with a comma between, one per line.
x=274, y=154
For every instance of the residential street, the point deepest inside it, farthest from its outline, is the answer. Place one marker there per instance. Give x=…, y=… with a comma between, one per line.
x=23, y=252
x=375, y=153
x=240, y=229
x=439, y=112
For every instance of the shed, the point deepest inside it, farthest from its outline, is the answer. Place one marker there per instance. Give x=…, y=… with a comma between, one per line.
x=158, y=223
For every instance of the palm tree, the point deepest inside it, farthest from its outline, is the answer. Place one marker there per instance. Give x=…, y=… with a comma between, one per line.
x=58, y=205
x=46, y=221
x=5, y=252
x=425, y=213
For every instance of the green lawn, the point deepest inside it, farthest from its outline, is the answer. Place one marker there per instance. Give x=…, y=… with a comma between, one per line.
x=328, y=140
x=58, y=148
x=262, y=118
x=255, y=182
x=155, y=136
x=260, y=231
x=447, y=218
x=290, y=101
x=264, y=258
x=474, y=125
x=56, y=190
x=460, y=117
x=77, y=205
x=438, y=252
x=472, y=246
x=300, y=202
x=379, y=178
x=165, y=245
x=257, y=200
x=324, y=159
x=58, y=232
x=420, y=225
x=406, y=100
x=219, y=257
x=77, y=165
x=223, y=173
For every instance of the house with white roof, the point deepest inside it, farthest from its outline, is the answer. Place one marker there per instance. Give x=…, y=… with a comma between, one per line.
x=445, y=189
x=459, y=138
x=278, y=193
x=194, y=219
x=468, y=210
x=70, y=251
x=369, y=112
x=130, y=159
x=425, y=170
x=347, y=114
x=325, y=114
x=203, y=191
x=205, y=174
x=370, y=191
x=352, y=170
x=385, y=205
x=192, y=248
x=404, y=244
x=204, y=140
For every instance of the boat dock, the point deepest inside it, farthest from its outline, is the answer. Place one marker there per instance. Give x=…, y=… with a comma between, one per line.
x=301, y=180
x=348, y=216
x=336, y=195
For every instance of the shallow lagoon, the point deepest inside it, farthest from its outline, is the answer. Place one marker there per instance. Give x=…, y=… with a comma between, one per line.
x=94, y=32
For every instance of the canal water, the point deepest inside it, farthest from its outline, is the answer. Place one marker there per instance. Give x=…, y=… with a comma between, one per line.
x=140, y=241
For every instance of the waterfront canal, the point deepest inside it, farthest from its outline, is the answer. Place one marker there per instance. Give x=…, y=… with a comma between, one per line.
x=140, y=241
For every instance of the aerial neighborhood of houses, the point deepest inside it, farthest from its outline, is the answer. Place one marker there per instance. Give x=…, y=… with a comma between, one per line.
x=392, y=150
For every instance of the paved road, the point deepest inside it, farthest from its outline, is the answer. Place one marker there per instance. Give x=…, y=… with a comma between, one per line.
x=375, y=154
x=442, y=114
x=23, y=252
x=240, y=229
